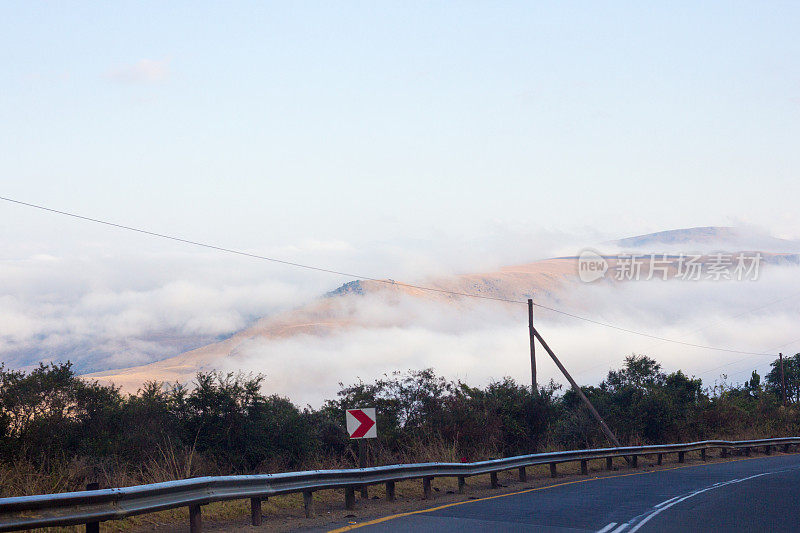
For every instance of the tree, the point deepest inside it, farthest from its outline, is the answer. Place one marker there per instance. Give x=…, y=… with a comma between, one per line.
x=639, y=402
x=753, y=385
x=640, y=372
x=791, y=370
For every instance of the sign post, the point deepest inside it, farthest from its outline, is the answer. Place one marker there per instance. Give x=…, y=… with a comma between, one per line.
x=361, y=425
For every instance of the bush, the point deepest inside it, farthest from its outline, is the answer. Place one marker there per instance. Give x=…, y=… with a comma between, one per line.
x=51, y=420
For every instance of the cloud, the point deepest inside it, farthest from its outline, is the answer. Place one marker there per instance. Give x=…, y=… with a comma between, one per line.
x=115, y=305
x=111, y=311
x=107, y=305
x=480, y=342
x=143, y=71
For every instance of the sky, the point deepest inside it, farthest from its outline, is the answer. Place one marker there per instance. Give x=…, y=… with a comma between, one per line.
x=268, y=123
x=394, y=139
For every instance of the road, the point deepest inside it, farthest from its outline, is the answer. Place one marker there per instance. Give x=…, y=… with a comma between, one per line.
x=755, y=494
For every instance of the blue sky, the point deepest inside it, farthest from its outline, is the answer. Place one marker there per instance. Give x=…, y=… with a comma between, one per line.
x=263, y=124
x=400, y=140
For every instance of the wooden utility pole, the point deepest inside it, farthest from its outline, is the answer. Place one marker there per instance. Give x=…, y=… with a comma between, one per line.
x=533, y=346
x=606, y=430
x=783, y=380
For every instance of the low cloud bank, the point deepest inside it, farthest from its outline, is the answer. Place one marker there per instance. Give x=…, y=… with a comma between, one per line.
x=480, y=342
x=124, y=311
x=105, y=308
x=106, y=304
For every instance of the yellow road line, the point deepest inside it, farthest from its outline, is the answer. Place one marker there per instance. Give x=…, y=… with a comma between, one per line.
x=401, y=515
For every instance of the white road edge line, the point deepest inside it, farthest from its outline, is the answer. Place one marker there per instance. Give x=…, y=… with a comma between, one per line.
x=607, y=528
x=695, y=493
x=665, y=502
x=620, y=528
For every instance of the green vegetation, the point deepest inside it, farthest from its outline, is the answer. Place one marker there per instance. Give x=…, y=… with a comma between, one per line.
x=58, y=431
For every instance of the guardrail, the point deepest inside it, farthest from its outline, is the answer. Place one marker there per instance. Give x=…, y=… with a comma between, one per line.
x=94, y=506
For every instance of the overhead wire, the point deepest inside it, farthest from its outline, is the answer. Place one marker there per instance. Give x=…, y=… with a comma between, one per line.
x=366, y=278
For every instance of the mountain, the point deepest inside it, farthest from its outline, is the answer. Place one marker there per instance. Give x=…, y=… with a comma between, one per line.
x=708, y=234
x=363, y=305
x=340, y=310
x=709, y=238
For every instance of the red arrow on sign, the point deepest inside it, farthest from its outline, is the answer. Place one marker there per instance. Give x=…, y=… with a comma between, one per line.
x=366, y=423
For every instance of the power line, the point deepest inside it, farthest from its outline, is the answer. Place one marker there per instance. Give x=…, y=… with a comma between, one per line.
x=747, y=358
x=745, y=312
x=355, y=276
x=612, y=326
x=762, y=306
x=256, y=256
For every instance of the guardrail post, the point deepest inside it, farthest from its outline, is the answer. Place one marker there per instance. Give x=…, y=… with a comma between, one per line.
x=255, y=511
x=36, y=508
x=349, y=498
x=195, y=519
x=609, y=463
x=364, y=492
x=426, y=487
x=93, y=527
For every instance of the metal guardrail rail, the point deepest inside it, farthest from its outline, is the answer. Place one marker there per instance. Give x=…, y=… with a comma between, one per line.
x=93, y=506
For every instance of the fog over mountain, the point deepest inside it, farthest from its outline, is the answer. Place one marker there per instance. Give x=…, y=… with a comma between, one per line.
x=366, y=328
x=129, y=317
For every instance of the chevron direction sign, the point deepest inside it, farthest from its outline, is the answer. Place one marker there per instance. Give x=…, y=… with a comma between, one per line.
x=361, y=423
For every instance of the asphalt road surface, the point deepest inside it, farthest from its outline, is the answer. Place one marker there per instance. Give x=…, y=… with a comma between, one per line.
x=758, y=494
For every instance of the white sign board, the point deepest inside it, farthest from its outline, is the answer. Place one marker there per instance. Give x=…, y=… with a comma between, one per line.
x=361, y=423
